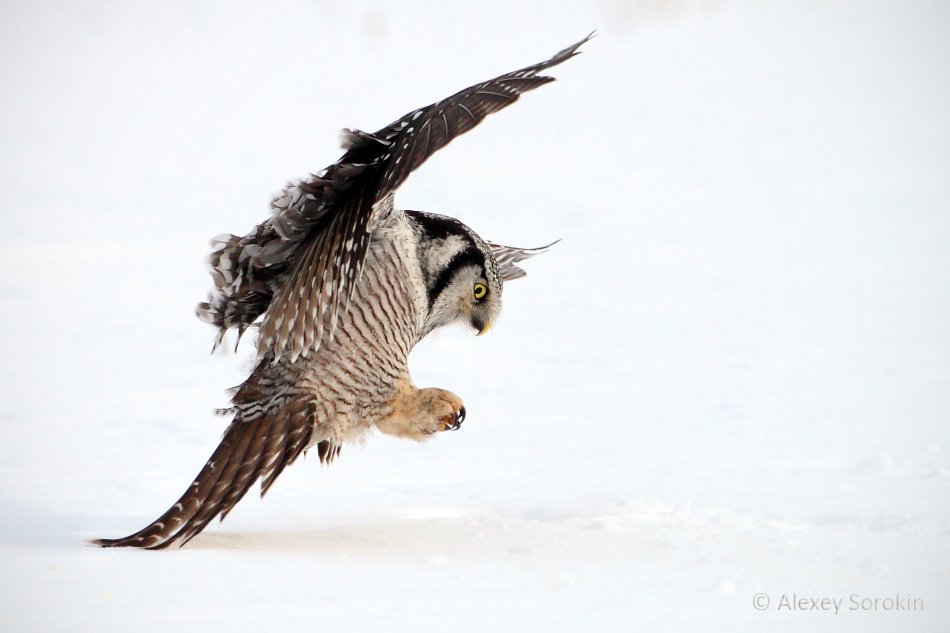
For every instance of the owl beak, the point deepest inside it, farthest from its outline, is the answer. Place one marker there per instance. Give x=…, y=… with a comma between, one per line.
x=484, y=328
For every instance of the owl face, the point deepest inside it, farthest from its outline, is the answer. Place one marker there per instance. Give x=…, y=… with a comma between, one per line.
x=468, y=297
x=462, y=278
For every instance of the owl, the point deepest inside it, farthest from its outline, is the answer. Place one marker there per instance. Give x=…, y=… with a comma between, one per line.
x=342, y=285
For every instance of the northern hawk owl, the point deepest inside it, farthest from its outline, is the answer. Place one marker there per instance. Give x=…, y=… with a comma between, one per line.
x=342, y=285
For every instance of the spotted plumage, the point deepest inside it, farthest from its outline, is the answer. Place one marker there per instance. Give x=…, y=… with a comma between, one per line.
x=343, y=285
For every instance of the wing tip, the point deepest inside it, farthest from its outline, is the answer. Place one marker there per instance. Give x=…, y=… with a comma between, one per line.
x=571, y=51
x=560, y=57
x=542, y=249
x=130, y=541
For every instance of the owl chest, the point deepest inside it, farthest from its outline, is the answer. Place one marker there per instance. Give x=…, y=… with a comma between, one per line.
x=354, y=376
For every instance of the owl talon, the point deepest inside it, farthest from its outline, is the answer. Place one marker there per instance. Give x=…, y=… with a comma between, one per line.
x=453, y=422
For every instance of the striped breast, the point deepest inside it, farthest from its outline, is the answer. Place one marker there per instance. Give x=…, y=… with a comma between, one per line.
x=352, y=378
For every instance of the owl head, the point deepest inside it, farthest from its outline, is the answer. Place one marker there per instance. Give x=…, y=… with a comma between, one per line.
x=464, y=275
x=463, y=282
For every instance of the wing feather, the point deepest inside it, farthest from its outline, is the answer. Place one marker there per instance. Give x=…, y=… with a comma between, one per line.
x=508, y=256
x=276, y=271
x=257, y=444
x=295, y=438
x=252, y=446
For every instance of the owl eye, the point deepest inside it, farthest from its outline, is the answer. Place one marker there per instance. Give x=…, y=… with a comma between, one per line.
x=480, y=291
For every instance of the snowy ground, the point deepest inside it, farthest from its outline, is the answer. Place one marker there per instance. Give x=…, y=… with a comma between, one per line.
x=732, y=377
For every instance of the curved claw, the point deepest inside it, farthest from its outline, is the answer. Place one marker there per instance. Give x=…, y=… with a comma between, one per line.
x=456, y=421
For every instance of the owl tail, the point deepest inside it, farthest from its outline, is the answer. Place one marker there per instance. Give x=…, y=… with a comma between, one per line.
x=256, y=445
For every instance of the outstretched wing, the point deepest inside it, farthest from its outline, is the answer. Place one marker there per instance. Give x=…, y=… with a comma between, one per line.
x=423, y=132
x=301, y=265
x=508, y=256
x=258, y=444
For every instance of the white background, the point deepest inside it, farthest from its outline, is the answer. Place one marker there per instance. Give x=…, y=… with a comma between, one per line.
x=732, y=376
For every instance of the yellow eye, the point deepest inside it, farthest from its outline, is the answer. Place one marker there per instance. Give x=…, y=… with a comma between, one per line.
x=480, y=291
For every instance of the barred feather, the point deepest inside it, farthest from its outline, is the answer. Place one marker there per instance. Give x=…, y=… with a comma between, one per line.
x=508, y=256
x=250, y=450
x=250, y=272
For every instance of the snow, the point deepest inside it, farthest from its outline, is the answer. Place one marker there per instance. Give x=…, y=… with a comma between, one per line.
x=731, y=377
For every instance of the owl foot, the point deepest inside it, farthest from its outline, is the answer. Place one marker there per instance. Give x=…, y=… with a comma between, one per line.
x=418, y=414
x=452, y=422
